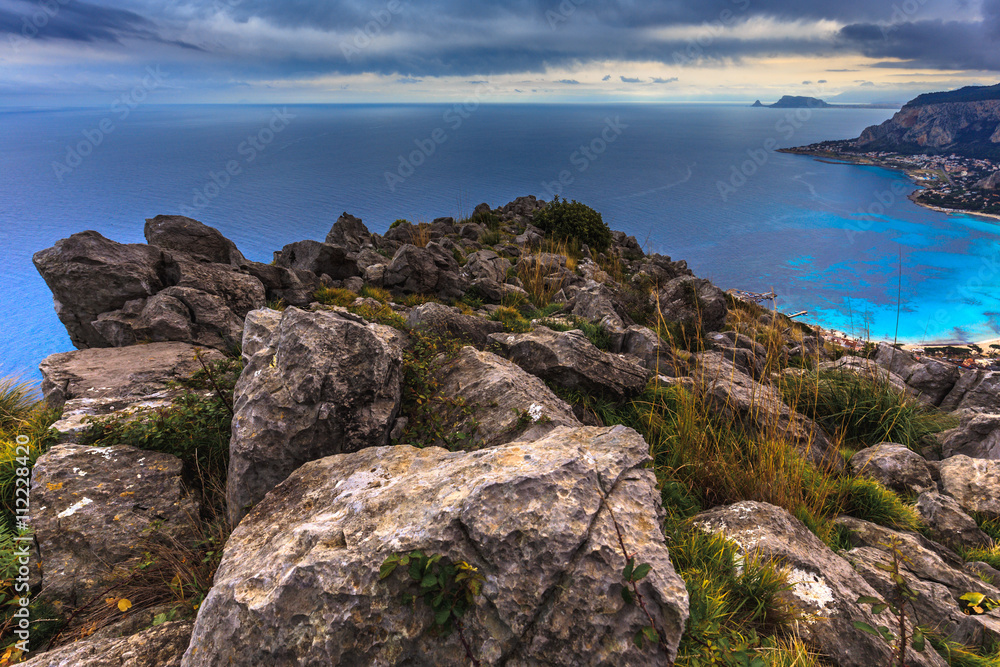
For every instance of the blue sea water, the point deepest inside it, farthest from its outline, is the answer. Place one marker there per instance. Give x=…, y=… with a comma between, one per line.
x=696, y=182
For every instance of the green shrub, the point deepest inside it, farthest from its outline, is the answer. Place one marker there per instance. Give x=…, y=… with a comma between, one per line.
x=398, y=222
x=572, y=220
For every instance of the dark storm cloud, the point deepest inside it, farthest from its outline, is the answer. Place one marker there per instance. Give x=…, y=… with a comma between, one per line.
x=265, y=39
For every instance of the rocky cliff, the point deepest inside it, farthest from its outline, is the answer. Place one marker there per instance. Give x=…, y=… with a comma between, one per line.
x=965, y=122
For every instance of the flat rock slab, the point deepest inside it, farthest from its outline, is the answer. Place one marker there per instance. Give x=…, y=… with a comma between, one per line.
x=299, y=579
x=90, y=507
x=895, y=466
x=974, y=483
x=133, y=372
x=159, y=646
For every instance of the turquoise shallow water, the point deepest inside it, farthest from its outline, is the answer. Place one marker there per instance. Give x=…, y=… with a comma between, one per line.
x=829, y=238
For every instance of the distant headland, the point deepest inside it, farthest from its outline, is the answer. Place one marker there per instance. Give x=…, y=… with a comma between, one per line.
x=803, y=102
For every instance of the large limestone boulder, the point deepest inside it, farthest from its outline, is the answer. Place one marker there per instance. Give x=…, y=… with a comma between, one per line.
x=319, y=258
x=444, y=320
x=948, y=524
x=429, y=270
x=931, y=380
x=976, y=390
x=824, y=586
x=198, y=240
x=895, y=466
x=487, y=272
x=299, y=579
x=89, y=275
x=760, y=406
x=506, y=403
x=693, y=302
x=159, y=646
x=91, y=508
x=570, y=360
x=294, y=287
x=323, y=384
x=974, y=483
x=349, y=232
x=977, y=436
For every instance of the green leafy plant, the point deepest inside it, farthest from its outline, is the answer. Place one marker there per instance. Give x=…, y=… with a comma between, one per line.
x=902, y=595
x=975, y=603
x=512, y=320
x=572, y=220
x=448, y=589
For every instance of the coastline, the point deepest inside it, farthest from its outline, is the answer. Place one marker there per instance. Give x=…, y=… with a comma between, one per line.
x=829, y=157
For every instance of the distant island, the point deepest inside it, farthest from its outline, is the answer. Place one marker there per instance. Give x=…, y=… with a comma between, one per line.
x=947, y=142
x=803, y=102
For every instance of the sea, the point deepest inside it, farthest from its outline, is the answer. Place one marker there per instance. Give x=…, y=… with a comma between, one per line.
x=697, y=182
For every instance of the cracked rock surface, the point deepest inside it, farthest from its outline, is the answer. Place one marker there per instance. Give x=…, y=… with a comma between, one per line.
x=298, y=583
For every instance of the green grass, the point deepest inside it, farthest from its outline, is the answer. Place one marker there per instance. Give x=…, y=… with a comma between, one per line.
x=864, y=412
x=867, y=499
x=595, y=333
x=958, y=655
x=491, y=237
x=512, y=320
x=335, y=296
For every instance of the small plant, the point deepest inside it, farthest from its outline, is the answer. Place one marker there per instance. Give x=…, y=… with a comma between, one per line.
x=448, y=589
x=491, y=237
x=902, y=595
x=377, y=293
x=414, y=300
x=335, y=296
x=397, y=222
x=420, y=234
x=867, y=499
x=512, y=320
x=572, y=220
x=974, y=604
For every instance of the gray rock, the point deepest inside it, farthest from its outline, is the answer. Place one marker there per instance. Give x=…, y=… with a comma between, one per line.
x=90, y=507
x=159, y=646
x=444, y=320
x=825, y=587
x=350, y=233
x=693, y=302
x=118, y=373
x=258, y=329
x=977, y=436
x=187, y=314
x=948, y=524
x=659, y=270
x=335, y=261
x=570, y=360
x=487, y=272
x=507, y=403
x=294, y=287
x=974, y=483
x=895, y=466
x=430, y=270
x=89, y=275
x=760, y=406
x=299, y=579
x=595, y=303
x=746, y=354
x=323, y=384
x=207, y=244
x=865, y=368
x=930, y=379
x=643, y=343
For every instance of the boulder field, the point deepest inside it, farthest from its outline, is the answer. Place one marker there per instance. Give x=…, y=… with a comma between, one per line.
x=544, y=502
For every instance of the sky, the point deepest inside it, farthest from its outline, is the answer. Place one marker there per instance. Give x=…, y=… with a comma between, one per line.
x=85, y=53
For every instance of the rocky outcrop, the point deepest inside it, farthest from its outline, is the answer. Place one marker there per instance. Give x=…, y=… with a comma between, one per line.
x=570, y=360
x=91, y=507
x=299, y=580
x=110, y=294
x=693, y=302
x=976, y=390
x=349, y=232
x=930, y=380
x=319, y=258
x=824, y=586
x=894, y=466
x=321, y=384
x=442, y=320
x=974, y=483
x=201, y=242
x=506, y=403
x=965, y=122
x=991, y=182
x=487, y=273
x=977, y=436
x=428, y=270
x=159, y=646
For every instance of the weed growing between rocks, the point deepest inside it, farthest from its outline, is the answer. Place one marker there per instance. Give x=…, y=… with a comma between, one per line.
x=428, y=412
x=512, y=320
x=867, y=499
x=335, y=296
